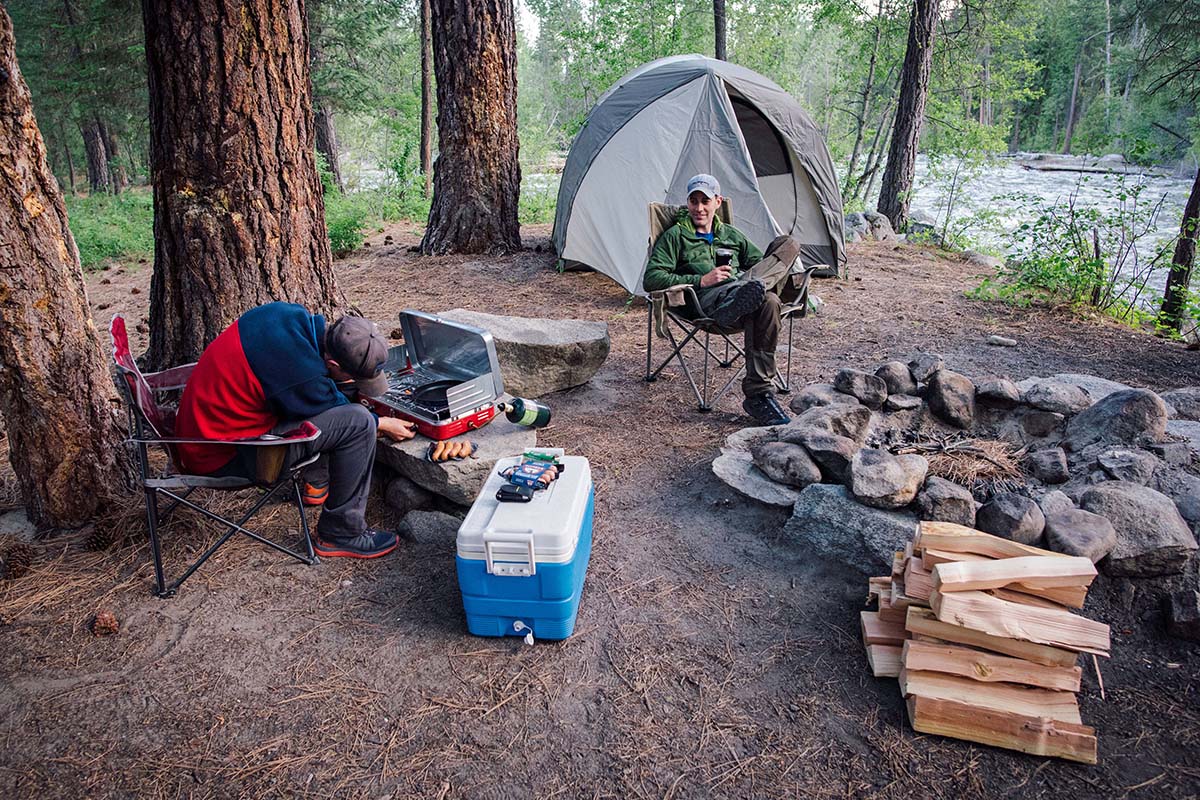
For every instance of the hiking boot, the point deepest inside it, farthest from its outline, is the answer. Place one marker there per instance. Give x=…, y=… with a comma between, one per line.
x=368, y=544
x=765, y=409
x=314, y=495
x=746, y=299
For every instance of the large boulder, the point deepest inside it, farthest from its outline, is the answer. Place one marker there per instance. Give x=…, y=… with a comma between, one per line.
x=923, y=365
x=457, y=481
x=851, y=421
x=1075, y=532
x=1056, y=396
x=946, y=501
x=540, y=356
x=897, y=378
x=1185, y=402
x=831, y=452
x=951, y=397
x=1152, y=538
x=880, y=227
x=1130, y=417
x=1096, y=388
x=786, y=463
x=867, y=388
x=882, y=480
x=819, y=394
x=827, y=521
x=1012, y=516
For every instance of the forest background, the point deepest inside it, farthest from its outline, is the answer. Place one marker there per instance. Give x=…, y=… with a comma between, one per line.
x=1057, y=76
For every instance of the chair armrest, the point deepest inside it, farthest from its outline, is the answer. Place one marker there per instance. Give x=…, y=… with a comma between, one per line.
x=306, y=432
x=168, y=379
x=675, y=296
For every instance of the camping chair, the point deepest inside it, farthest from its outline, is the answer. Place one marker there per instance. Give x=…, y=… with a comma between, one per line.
x=152, y=423
x=667, y=314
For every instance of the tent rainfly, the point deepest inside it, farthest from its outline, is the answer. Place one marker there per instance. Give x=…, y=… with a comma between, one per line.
x=671, y=119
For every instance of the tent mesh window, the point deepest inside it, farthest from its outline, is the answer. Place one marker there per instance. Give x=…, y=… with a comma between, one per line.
x=767, y=151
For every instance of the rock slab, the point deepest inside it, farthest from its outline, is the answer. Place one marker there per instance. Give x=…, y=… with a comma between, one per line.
x=735, y=466
x=1152, y=538
x=827, y=520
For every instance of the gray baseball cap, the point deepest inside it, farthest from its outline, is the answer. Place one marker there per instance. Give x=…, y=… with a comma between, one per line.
x=359, y=348
x=704, y=183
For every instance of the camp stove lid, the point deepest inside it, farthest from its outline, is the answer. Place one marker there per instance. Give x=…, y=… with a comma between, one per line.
x=450, y=350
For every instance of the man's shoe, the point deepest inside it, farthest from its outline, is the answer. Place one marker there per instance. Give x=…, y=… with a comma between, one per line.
x=765, y=409
x=368, y=544
x=314, y=495
x=746, y=300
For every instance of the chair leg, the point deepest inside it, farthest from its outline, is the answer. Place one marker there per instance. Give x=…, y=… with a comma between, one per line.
x=650, y=342
x=155, y=548
x=312, y=555
x=704, y=405
x=785, y=387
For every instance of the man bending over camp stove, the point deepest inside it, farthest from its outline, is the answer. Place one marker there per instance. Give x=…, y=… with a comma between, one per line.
x=737, y=286
x=274, y=367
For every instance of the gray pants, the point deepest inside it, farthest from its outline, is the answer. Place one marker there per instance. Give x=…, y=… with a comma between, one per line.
x=347, y=454
x=761, y=327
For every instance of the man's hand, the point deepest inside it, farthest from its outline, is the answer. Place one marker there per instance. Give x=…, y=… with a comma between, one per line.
x=721, y=273
x=397, y=429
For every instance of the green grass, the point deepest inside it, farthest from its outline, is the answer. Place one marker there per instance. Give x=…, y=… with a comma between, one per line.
x=108, y=228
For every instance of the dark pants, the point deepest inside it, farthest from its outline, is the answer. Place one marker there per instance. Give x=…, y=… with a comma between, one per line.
x=347, y=449
x=762, y=327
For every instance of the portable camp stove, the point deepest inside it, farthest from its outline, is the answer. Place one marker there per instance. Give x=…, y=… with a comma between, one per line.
x=445, y=377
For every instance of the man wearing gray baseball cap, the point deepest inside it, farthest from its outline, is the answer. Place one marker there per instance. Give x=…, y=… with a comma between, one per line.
x=278, y=365
x=737, y=285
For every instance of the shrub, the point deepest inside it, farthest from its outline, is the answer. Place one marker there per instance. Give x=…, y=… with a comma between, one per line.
x=112, y=228
x=346, y=223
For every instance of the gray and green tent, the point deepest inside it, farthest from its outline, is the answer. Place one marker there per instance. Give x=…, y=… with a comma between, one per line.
x=671, y=119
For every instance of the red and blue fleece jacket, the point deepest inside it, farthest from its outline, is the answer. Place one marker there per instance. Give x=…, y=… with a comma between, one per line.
x=267, y=367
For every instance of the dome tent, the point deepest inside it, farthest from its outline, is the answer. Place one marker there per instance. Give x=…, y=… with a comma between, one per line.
x=682, y=115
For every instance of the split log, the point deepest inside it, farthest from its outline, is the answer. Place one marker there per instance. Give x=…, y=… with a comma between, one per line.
x=876, y=631
x=930, y=557
x=884, y=660
x=876, y=587
x=1052, y=626
x=918, y=581
x=988, y=667
x=923, y=622
x=1006, y=697
x=960, y=539
x=1034, y=735
x=1032, y=572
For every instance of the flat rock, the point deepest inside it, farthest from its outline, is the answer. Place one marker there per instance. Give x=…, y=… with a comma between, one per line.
x=851, y=421
x=897, y=378
x=1185, y=401
x=827, y=521
x=1128, y=464
x=1183, y=615
x=786, y=463
x=951, y=397
x=998, y=392
x=819, y=394
x=1056, y=396
x=901, y=402
x=883, y=480
x=867, y=388
x=946, y=501
x=1048, y=465
x=1001, y=341
x=736, y=468
x=832, y=453
x=1075, y=532
x=457, y=481
x=540, y=356
x=1055, y=502
x=922, y=365
x=1130, y=417
x=1152, y=538
x=1012, y=516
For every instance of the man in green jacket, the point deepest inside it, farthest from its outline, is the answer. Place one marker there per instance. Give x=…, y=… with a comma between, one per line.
x=737, y=286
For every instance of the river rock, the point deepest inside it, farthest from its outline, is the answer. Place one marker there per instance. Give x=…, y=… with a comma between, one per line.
x=540, y=356
x=828, y=522
x=951, y=397
x=1001, y=341
x=1049, y=465
x=1096, y=388
x=867, y=388
x=1126, y=464
x=1183, y=615
x=897, y=378
x=880, y=227
x=819, y=394
x=924, y=365
x=786, y=463
x=1056, y=396
x=1012, y=516
x=457, y=481
x=1152, y=538
x=856, y=227
x=1036, y=422
x=851, y=421
x=901, y=402
x=1055, y=502
x=1075, y=532
x=946, y=501
x=1185, y=401
x=882, y=480
x=831, y=452
x=1132, y=416
x=998, y=392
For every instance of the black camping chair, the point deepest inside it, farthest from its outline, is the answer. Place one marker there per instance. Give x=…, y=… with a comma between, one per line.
x=667, y=316
x=152, y=423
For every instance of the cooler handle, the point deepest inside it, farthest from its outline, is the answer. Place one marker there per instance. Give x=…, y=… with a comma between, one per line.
x=509, y=569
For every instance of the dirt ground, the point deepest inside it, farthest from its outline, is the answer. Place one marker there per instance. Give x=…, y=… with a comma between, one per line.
x=713, y=656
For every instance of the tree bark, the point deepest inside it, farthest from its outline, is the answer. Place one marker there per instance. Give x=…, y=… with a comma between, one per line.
x=1179, y=279
x=1071, y=108
x=56, y=397
x=719, y=28
x=238, y=215
x=327, y=142
x=97, y=156
x=118, y=179
x=426, y=99
x=477, y=178
x=894, y=194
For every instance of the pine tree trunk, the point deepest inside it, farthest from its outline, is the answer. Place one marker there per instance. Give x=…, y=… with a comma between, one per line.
x=118, y=180
x=66, y=145
x=97, y=157
x=1179, y=279
x=56, y=396
x=894, y=194
x=327, y=142
x=863, y=108
x=426, y=99
x=1071, y=109
x=477, y=178
x=719, y=28
x=238, y=215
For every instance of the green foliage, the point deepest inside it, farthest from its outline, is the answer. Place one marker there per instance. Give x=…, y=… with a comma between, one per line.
x=328, y=184
x=537, y=203
x=109, y=229
x=346, y=224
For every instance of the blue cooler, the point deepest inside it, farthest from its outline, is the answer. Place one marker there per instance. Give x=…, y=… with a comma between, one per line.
x=521, y=565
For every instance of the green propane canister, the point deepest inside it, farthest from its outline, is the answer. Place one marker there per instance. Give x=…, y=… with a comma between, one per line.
x=529, y=413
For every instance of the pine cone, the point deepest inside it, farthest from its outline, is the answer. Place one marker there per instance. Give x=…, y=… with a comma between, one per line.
x=105, y=624
x=17, y=560
x=100, y=537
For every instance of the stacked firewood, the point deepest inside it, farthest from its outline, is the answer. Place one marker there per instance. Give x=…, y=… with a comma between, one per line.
x=979, y=633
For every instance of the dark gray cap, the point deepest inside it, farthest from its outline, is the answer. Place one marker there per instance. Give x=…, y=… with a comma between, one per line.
x=359, y=348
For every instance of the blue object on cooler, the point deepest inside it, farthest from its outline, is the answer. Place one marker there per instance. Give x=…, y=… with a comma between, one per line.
x=521, y=566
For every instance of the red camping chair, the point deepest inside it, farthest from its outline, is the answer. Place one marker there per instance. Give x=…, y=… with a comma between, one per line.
x=152, y=423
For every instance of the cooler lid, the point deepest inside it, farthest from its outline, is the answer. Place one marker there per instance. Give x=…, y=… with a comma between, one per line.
x=550, y=523
x=449, y=348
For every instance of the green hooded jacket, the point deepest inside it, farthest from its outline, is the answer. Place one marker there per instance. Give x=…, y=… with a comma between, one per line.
x=680, y=256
